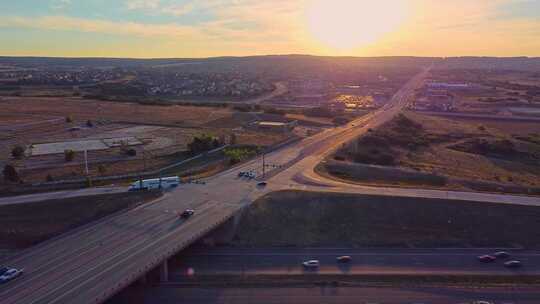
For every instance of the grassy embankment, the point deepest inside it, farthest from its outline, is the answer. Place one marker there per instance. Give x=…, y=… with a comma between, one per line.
x=443, y=153
x=295, y=218
x=24, y=225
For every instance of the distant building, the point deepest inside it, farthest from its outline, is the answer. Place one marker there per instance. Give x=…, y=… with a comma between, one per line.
x=445, y=85
x=275, y=126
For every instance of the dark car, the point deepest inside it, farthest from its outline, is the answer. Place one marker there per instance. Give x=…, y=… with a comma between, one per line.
x=262, y=184
x=187, y=213
x=501, y=255
x=344, y=259
x=486, y=258
x=513, y=264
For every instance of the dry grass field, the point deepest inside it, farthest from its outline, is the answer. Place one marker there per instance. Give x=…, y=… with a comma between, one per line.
x=165, y=132
x=84, y=109
x=467, y=153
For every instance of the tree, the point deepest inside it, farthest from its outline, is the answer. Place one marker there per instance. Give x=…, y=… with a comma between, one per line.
x=10, y=173
x=203, y=143
x=233, y=139
x=69, y=155
x=18, y=152
x=102, y=169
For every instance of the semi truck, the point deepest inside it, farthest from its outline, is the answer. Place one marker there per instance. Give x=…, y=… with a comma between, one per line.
x=155, y=183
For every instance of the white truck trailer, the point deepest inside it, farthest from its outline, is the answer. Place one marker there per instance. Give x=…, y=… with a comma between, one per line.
x=155, y=183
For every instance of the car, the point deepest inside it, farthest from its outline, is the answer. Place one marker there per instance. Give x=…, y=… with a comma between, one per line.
x=501, y=255
x=262, y=184
x=10, y=274
x=513, y=264
x=311, y=264
x=486, y=258
x=3, y=270
x=344, y=259
x=187, y=213
x=241, y=174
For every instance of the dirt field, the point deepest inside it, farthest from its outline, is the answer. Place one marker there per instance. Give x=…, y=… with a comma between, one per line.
x=83, y=109
x=310, y=219
x=164, y=131
x=468, y=154
x=25, y=225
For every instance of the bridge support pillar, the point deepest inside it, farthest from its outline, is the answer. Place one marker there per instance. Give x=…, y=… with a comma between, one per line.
x=164, y=272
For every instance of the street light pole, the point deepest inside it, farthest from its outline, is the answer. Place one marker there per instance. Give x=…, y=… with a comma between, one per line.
x=264, y=164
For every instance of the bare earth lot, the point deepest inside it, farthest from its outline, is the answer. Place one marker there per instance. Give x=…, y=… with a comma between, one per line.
x=159, y=134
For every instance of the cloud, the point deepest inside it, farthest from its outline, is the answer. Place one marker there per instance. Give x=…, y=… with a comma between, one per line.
x=98, y=26
x=60, y=4
x=142, y=4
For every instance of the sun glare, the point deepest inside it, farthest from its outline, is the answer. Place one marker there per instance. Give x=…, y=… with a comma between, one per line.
x=349, y=24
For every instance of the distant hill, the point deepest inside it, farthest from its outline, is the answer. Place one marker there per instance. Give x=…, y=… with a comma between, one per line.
x=491, y=63
x=274, y=62
x=32, y=62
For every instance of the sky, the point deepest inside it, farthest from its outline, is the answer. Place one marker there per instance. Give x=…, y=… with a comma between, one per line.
x=208, y=28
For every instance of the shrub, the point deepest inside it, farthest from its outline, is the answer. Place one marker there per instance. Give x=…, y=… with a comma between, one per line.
x=102, y=169
x=203, y=143
x=18, y=152
x=131, y=152
x=237, y=155
x=10, y=173
x=375, y=157
x=69, y=155
x=340, y=120
x=339, y=158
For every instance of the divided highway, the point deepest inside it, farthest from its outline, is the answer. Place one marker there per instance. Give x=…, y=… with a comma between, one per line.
x=397, y=261
x=92, y=263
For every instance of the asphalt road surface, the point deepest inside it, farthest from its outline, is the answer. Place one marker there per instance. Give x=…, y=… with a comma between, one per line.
x=287, y=261
x=335, y=295
x=39, y=197
x=91, y=263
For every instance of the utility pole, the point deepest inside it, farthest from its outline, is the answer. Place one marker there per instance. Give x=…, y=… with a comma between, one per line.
x=86, y=161
x=264, y=164
x=89, y=179
x=144, y=170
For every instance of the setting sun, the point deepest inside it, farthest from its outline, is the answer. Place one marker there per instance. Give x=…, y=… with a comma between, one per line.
x=349, y=24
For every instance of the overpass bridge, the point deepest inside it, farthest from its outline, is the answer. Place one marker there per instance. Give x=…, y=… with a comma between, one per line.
x=92, y=263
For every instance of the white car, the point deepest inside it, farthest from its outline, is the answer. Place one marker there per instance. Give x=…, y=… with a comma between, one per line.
x=9, y=275
x=311, y=264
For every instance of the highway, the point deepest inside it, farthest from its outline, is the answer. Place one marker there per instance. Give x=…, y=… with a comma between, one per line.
x=398, y=261
x=91, y=263
x=336, y=295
